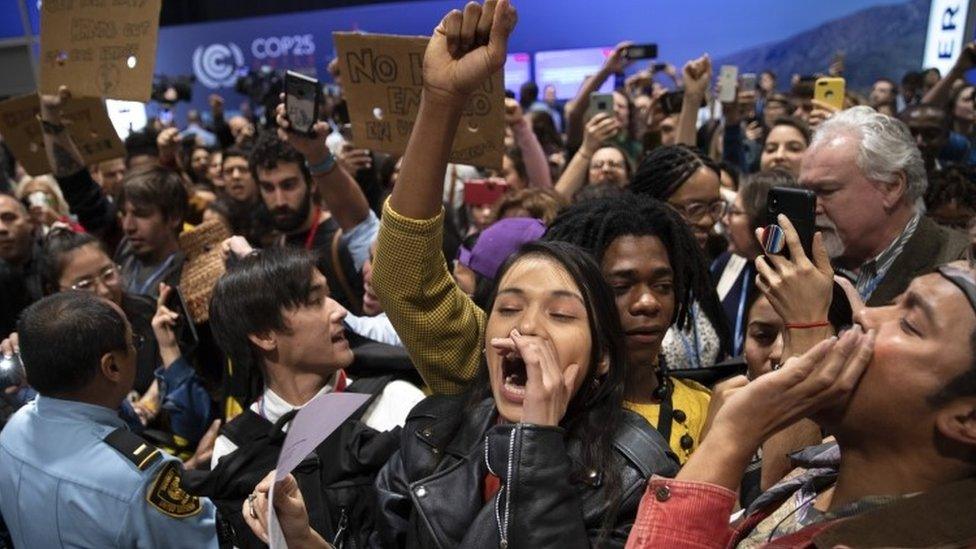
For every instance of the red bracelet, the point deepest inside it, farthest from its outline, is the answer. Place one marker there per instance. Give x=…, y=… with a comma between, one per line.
x=806, y=325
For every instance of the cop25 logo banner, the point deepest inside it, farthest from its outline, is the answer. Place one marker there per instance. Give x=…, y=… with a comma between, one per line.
x=216, y=65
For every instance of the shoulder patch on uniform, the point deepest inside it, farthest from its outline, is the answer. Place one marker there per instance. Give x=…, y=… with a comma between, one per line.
x=134, y=448
x=167, y=495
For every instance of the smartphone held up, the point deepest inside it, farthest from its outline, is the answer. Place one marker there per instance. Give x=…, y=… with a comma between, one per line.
x=302, y=98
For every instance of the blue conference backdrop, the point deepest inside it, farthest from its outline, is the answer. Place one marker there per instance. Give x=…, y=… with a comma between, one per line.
x=877, y=37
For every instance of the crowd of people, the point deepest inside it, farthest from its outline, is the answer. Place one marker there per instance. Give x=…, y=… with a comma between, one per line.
x=609, y=353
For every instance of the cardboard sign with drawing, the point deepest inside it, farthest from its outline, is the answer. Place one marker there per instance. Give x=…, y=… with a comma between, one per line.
x=382, y=81
x=99, y=48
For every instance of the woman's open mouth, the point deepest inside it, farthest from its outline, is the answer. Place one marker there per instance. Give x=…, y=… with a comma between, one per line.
x=513, y=378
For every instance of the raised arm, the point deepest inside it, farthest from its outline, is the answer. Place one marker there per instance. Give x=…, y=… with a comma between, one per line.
x=62, y=153
x=576, y=107
x=942, y=90
x=698, y=74
x=536, y=163
x=84, y=196
x=440, y=326
x=463, y=52
x=599, y=129
x=337, y=187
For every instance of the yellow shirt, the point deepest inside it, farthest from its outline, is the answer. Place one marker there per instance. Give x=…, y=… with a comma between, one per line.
x=691, y=398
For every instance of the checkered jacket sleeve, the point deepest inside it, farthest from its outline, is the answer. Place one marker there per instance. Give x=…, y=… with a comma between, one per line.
x=441, y=328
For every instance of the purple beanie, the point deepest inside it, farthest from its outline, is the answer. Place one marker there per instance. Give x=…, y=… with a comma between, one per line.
x=502, y=239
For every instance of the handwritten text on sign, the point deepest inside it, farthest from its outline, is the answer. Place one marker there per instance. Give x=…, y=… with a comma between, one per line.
x=99, y=48
x=382, y=81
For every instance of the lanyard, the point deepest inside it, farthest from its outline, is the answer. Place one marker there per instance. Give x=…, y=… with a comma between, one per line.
x=740, y=331
x=314, y=230
x=144, y=288
x=665, y=414
x=691, y=351
x=871, y=285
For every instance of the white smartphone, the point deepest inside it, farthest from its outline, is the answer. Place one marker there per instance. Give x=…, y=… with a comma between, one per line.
x=748, y=82
x=727, y=81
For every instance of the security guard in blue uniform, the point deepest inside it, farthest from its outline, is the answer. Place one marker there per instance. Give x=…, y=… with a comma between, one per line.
x=71, y=473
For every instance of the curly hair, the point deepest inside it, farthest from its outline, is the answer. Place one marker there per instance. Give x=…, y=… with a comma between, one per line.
x=662, y=172
x=594, y=226
x=269, y=151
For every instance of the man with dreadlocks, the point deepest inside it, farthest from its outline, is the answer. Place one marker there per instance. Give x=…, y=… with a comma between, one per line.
x=651, y=261
x=689, y=182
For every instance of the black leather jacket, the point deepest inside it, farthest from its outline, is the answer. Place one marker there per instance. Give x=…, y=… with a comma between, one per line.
x=430, y=494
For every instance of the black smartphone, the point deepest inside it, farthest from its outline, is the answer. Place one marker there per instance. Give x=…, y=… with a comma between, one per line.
x=800, y=207
x=186, y=332
x=658, y=67
x=302, y=98
x=641, y=51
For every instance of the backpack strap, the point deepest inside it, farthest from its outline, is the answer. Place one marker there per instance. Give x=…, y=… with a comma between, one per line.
x=644, y=446
x=142, y=454
x=372, y=386
x=354, y=299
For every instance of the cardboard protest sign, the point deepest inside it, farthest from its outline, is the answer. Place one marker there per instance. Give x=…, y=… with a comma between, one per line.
x=87, y=122
x=382, y=80
x=99, y=48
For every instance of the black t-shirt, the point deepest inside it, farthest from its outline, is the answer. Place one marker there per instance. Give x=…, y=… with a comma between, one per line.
x=322, y=248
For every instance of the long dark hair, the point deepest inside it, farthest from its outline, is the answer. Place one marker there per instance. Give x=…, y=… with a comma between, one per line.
x=599, y=401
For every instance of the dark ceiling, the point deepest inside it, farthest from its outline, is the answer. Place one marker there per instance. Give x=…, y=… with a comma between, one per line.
x=181, y=12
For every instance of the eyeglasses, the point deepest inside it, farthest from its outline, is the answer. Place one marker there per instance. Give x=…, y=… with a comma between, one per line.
x=108, y=276
x=697, y=210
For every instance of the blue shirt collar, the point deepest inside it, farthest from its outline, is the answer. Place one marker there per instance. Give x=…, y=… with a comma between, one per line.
x=73, y=410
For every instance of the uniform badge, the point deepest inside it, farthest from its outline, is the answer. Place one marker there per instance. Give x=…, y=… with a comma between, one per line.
x=167, y=495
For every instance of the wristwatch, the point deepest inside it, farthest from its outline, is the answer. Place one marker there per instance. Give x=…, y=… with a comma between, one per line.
x=323, y=167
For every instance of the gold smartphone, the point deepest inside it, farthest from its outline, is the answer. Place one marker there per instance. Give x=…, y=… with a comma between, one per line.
x=830, y=90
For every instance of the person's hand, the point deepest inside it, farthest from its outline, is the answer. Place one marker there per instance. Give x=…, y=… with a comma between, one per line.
x=617, y=62
x=216, y=103
x=43, y=214
x=246, y=134
x=148, y=404
x=697, y=76
x=168, y=141
x=9, y=347
x=822, y=378
x=836, y=67
x=639, y=80
x=821, y=111
x=236, y=245
x=290, y=508
x=52, y=105
x=598, y=130
x=164, y=323
x=353, y=160
x=513, y=112
x=800, y=290
x=313, y=147
x=466, y=49
x=754, y=131
x=548, y=388
x=671, y=71
x=966, y=59
x=204, y=451
x=720, y=393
